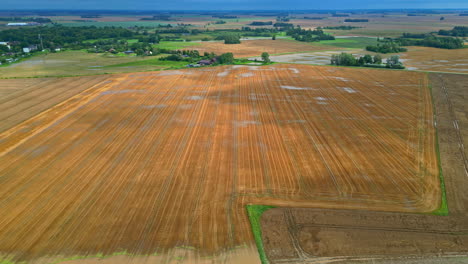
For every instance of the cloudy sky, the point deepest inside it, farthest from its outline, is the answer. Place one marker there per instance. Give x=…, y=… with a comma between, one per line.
x=229, y=4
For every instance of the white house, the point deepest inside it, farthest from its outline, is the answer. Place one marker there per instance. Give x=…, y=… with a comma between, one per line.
x=17, y=24
x=30, y=48
x=5, y=43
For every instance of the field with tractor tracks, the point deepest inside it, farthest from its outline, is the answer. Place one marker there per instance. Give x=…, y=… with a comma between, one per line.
x=163, y=163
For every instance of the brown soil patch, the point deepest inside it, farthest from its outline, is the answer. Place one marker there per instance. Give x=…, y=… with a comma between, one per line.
x=293, y=235
x=250, y=48
x=158, y=160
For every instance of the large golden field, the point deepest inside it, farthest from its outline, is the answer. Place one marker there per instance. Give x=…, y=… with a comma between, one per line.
x=157, y=161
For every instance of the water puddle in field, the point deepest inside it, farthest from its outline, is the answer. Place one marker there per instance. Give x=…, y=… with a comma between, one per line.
x=341, y=79
x=194, y=97
x=223, y=74
x=289, y=87
x=247, y=74
x=295, y=121
x=347, y=89
x=169, y=73
x=253, y=113
x=153, y=106
x=320, y=98
x=294, y=70
x=245, y=123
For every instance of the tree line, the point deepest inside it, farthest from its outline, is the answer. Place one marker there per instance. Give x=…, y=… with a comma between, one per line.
x=458, y=31
x=346, y=59
x=308, y=35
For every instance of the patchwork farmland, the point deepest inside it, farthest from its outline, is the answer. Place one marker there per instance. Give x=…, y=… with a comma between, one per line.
x=156, y=162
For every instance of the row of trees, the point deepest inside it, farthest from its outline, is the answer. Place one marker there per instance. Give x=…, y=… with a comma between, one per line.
x=346, y=59
x=261, y=23
x=308, y=35
x=356, y=20
x=433, y=41
x=342, y=27
x=386, y=46
x=459, y=31
x=62, y=36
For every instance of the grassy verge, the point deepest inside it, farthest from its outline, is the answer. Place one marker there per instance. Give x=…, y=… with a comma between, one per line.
x=175, y=45
x=255, y=212
x=443, y=209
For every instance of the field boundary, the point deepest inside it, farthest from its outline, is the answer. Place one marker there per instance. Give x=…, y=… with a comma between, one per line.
x=443, y=209
x=254, y=213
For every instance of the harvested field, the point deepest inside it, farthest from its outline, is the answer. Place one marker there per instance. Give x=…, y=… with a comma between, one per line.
x=24, y=98
x=151, y=162
x=343, y=236
x=432, y=59
x=250, y=48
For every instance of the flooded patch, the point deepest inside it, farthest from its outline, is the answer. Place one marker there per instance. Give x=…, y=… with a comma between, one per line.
x=294, y=70
x=341, y=79
x=247, y=74
x=347, y=89
x=194, y=97
x=245, y=123
x=223, y=74
x=153, y=106
x=169, y=73
x=289, y=87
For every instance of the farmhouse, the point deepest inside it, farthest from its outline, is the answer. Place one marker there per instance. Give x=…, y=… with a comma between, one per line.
x=30, y=48
x=207, y=62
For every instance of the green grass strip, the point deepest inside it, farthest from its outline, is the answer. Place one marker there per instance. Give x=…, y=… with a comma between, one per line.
x=443, y=209
x=255, y=213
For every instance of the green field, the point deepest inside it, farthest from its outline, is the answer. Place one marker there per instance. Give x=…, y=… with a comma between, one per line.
x=74, y=63
x=174, y=45
x=350, y=43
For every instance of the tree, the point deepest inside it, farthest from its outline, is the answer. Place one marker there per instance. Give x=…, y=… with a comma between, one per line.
x=266, y=57
x=442, y=18
x=226, y=58
x=367, y=58
x=344, y=59
x=377, y=59
x=232, y=39
x=394, y=62
x=273, y=37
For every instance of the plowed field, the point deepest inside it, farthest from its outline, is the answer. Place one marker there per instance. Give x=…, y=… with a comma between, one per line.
x=432, y=59
x=149, y=162
x=250, y=48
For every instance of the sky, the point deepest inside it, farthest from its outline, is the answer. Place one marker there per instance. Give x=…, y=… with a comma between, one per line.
x=230, y=4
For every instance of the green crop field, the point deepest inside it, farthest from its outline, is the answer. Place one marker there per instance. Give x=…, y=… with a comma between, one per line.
x=174, y=45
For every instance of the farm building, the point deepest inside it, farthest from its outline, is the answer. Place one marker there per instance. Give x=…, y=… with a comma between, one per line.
x=30, y=48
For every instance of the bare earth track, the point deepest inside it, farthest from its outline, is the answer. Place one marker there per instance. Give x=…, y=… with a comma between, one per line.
x=151, y=162
x=299, y=235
